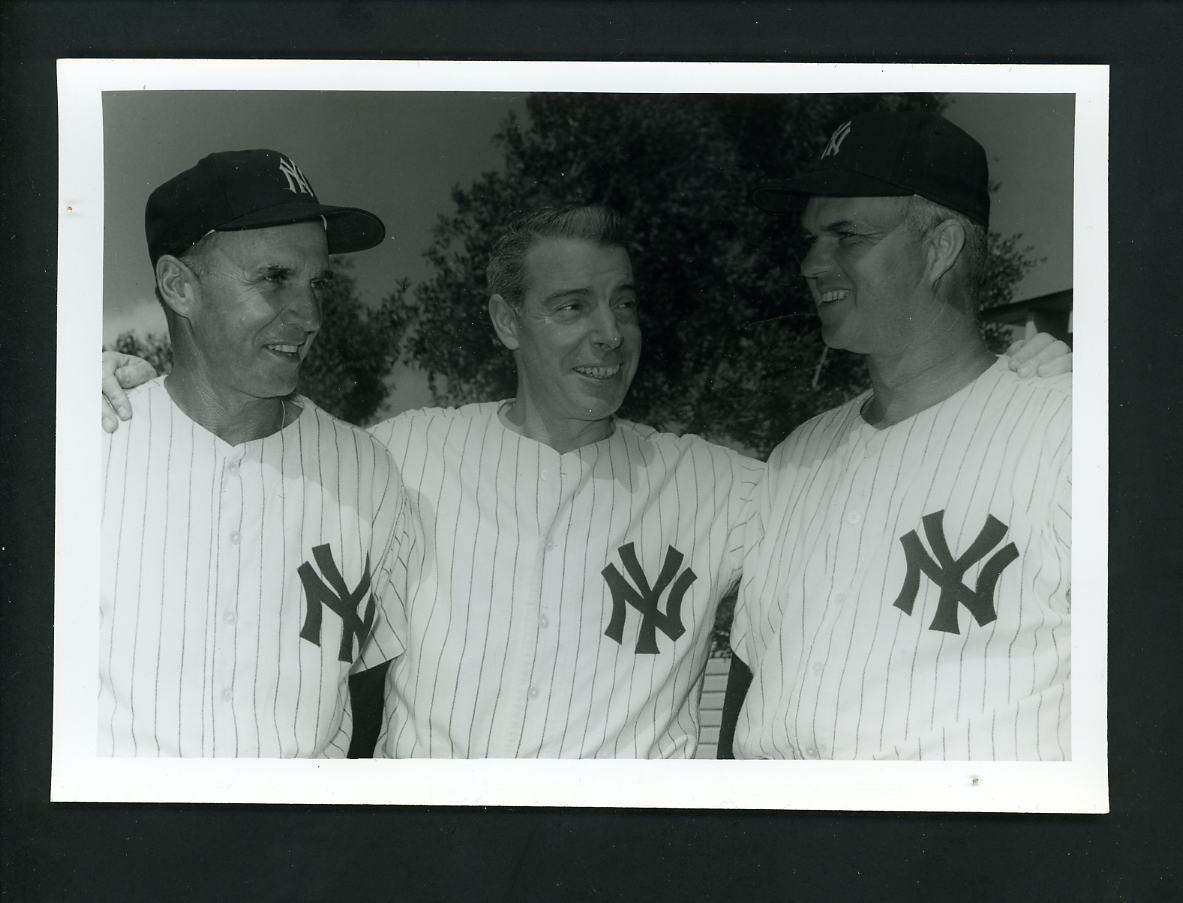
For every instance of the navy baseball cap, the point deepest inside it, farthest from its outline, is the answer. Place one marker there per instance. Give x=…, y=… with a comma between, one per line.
x=892, y=155
x=247, y=189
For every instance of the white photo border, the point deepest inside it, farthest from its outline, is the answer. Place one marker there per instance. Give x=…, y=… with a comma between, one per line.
x=80, y=775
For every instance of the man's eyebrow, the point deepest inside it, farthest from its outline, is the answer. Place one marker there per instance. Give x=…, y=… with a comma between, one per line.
x=563, y=293
x=583, y=292
x=837, y=225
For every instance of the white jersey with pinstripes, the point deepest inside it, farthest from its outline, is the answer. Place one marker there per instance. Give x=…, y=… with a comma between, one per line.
x=856, y=649
x=561, y=604
x=217, y=558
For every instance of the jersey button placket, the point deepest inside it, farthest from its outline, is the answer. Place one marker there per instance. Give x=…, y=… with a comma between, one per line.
x=511, y=735
x=229, y=523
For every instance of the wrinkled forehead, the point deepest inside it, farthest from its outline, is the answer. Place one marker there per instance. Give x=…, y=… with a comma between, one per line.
x=573, y=262
x=827, y=212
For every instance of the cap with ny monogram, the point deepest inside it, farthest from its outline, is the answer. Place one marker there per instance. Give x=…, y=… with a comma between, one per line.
x=892, y=155
x=247, y=189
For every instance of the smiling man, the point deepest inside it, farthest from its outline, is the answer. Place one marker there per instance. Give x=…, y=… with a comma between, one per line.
x=567, y=563
x=907, y=592
x=246, y=534
x=563, y=600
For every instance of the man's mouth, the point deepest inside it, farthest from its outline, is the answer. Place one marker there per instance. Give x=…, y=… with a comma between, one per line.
x=291, y=351
x=829, y=297
x=598, y=372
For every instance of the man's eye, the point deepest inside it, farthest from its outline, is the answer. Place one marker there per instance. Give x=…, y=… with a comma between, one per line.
x=323, y=284
x=627, y=303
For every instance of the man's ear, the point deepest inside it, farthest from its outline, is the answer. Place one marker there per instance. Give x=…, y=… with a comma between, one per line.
x=944, y=244
x=505, y=321
x=177, y=284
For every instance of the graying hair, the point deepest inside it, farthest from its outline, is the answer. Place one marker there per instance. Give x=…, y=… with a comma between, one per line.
x=969, y=270
x=506, y=272
x=193, y=257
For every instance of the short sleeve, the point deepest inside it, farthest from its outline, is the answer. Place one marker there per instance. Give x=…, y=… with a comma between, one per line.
x=751, y=535
x=392, y=541
x=745, y=477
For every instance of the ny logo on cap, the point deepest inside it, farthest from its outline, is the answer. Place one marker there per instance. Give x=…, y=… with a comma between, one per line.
x=297, y=184
x=836, y=140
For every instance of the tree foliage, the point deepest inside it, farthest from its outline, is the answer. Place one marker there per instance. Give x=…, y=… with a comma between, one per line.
x=732, y=345
x=154, y=347
x=347, y=370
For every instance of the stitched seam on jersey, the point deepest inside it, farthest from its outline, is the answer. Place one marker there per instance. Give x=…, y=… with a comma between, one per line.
x=283, y=569
x=513, y=591
x=135, y=636
x=444, y=602
x=491, y=603
x=976, y=389
x=160, y=596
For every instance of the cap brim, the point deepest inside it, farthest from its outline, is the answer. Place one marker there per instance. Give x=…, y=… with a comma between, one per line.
x=790, y=195
x=346, y=228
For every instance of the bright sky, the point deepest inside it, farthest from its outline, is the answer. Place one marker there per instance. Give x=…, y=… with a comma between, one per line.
x=399, y=155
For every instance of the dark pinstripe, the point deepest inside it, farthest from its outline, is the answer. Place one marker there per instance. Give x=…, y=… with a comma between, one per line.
x=492, y=502
x=174, y=595
x=891, y=686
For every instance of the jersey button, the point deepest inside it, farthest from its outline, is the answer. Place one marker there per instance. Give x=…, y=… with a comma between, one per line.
x=544, y=621
x=229, y=617
x=233, y=468
x=227, y=694
x=234, y=537
x=854, y=517
x=532, y=692
x=818, y=667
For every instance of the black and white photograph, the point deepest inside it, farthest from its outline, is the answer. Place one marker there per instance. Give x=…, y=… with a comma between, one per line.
x=676, y=435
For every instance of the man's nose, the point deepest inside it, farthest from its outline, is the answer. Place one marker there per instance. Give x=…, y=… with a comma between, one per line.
x=816, y=260
x=607, y=330
x=303, y=309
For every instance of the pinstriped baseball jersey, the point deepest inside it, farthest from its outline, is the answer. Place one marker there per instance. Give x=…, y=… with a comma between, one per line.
x=907, y=590
x=562, y=603
x=239, y=581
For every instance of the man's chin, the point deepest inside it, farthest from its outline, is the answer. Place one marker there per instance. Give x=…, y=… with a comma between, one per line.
x=836, y=341
x=602, y=409
x=276, y=388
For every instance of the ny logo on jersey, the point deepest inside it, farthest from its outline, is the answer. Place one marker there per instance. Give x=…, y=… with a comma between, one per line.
x=946, y=571
x=338, y=598
x=644, y=598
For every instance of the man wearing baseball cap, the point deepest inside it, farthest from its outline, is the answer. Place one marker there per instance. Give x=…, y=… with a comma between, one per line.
x=906, y=591
x=249, y=536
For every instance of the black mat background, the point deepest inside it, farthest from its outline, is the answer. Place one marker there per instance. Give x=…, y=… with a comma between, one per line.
x=132, y=853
